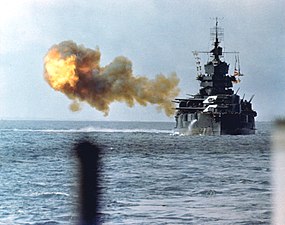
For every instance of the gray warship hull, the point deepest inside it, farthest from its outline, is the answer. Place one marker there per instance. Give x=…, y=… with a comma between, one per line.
x=210, y=124
x=216, y=109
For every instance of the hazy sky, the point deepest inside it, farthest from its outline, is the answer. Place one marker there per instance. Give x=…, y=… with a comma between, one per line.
x=158, y=36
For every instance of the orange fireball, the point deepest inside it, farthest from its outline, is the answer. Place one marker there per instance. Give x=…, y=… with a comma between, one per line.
x=60, y=72
x=75, y=71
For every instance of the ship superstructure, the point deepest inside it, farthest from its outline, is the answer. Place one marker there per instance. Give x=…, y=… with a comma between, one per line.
x=216, y=109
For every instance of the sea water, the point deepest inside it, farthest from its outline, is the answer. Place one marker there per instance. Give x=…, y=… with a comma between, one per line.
x=149, y=175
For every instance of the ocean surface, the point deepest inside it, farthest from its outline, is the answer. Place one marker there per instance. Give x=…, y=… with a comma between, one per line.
x=149, y=175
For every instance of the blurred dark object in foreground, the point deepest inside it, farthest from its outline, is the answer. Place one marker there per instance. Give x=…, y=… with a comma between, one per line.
x=89, y=157
x=278, y=172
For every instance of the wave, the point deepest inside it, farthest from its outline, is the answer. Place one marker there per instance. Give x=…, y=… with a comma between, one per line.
x=47, y=194
x=92, y=130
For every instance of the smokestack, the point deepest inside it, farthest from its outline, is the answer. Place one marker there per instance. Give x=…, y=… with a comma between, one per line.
x=76, y=71
x=278, y=170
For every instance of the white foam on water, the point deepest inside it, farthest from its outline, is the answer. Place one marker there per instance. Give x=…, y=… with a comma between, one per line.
x=92, y=130
x=191, y=126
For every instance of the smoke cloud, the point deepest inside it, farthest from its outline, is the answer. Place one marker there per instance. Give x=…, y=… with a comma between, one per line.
x=75, y=71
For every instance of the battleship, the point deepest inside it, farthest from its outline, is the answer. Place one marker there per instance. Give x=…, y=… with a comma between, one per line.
x=217, y=109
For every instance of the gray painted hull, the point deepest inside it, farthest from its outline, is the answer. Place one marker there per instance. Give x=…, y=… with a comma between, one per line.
x=210, y=124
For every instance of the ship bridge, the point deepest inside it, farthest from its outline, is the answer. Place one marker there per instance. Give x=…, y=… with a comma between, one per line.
x=215, y=80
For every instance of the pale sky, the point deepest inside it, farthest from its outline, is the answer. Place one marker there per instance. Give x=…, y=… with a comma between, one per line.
x=158, y=36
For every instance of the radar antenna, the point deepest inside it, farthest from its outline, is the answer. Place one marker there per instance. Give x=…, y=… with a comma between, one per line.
x=217, y=35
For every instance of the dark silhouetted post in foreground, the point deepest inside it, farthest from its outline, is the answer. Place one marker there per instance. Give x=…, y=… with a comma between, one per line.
x=89, y=158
